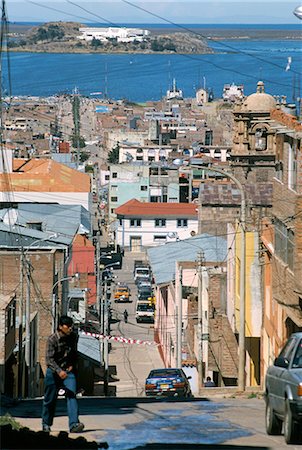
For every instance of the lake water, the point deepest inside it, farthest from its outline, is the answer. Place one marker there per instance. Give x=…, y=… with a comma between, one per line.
x=147, y=77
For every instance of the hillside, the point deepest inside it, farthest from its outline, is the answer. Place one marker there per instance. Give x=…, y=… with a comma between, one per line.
x=62, y=37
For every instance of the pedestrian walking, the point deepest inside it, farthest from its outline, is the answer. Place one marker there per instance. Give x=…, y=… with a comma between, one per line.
x=209, y=383
x=61, y=361
x=126, y=316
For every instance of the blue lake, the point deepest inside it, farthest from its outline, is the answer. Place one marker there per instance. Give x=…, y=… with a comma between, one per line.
x=140, y=77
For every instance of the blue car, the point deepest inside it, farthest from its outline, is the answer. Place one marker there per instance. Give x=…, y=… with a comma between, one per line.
x=169, y=383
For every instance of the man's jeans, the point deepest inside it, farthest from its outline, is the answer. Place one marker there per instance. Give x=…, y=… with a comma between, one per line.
x=52, y=385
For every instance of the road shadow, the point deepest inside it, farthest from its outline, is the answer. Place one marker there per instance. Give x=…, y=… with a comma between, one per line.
x=31, y=408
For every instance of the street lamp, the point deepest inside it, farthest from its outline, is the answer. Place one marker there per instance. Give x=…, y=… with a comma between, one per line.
x=241, y=366
x=54, y=299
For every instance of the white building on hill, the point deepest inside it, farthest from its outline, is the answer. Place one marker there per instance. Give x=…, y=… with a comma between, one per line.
x=120, y=34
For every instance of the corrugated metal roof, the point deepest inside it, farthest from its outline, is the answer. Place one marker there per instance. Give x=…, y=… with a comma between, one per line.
x=163, y=258
x=16, y=237
x=89, y=347
x=62, y=219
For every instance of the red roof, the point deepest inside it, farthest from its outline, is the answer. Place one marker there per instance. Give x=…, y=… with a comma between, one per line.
x=135, y=208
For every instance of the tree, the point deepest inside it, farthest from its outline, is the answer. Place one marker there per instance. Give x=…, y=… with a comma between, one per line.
x=113, y=156
x=157, y=46
x=96, y=43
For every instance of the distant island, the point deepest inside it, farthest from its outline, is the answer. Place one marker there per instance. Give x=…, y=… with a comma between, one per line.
x=67, y=37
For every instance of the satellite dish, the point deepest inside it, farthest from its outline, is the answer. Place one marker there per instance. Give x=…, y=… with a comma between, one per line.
x=298, y=12
x=10, y=217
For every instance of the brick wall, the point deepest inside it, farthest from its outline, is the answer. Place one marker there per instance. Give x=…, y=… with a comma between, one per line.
x=44, y=265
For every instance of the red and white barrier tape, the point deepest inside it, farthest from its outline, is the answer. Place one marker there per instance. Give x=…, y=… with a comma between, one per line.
x=119, y=339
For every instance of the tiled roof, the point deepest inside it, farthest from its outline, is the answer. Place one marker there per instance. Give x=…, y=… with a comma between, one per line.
x=135, y=208
x=43, y=175
x=228, y=194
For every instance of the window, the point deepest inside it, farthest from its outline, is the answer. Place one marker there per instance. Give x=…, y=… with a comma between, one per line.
x=114, y=199
x=112, y=210
x=159, y=238
x=135, y=222
x=160, y=222
x=107, y=177
x=120, y=222
x=151, y=158
x=144, y=188
x=113, y=188
x=292, y=167
x=260, y=139
x=114, y=174
x=182, y=222
x=139, y=158
x=284, y=243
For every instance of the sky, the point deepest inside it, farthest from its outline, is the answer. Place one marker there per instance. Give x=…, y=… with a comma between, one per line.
x=119, y=11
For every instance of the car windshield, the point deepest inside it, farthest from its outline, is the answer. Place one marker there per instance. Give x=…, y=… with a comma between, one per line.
x=297, y=361
x=145, y=308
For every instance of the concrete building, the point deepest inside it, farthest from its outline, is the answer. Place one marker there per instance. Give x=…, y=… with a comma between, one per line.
x=43, y=181
x=147, y=182
x=175, y=265
x=148, y=153
x=142, y=225
x=121, y=34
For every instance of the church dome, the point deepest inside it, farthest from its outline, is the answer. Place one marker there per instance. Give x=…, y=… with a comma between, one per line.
x=260, y=101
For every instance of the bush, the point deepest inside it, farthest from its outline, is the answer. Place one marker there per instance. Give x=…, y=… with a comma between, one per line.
x=9, y=420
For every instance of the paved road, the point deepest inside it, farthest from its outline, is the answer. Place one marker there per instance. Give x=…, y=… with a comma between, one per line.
x=133, y=362
x=132, y=423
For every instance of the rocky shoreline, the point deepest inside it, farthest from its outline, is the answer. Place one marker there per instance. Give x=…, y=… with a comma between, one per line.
x=168, y=41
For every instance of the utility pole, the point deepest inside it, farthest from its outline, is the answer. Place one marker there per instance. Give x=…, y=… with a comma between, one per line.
x=179, y=317
x=20, y=330
x=98, y=280
x=27, y=328
x=200, y=260
x=105, y=341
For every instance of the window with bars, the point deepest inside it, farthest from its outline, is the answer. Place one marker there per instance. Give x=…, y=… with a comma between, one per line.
x=160, y=222
x=135, y=222
x=292, y=167
x=182, y=222
x=284, y=243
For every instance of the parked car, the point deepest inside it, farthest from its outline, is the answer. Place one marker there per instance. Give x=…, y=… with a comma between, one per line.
x=144, y=284
x=168, y=382
x=283, y=391
x=144, y=293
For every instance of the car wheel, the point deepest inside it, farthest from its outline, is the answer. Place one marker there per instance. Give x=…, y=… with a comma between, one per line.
x=272, y=422
x=290, y=428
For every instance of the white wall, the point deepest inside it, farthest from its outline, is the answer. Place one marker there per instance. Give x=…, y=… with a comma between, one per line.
x=147, y=231
x=63, y=198
x=155, y=152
